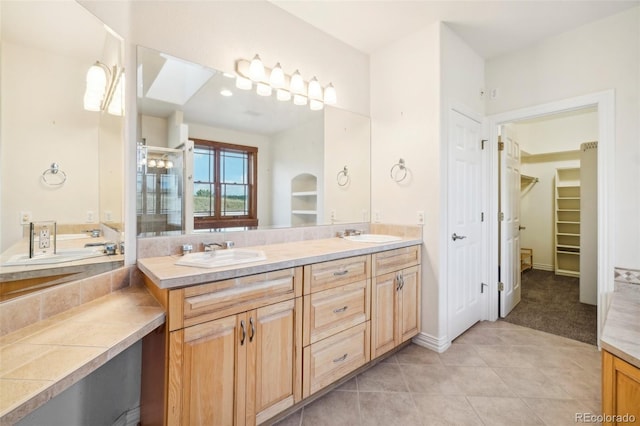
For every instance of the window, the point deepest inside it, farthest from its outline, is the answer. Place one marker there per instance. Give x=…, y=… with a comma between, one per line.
x=224, y=185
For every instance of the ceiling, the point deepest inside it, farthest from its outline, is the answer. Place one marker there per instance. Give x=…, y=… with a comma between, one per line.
x=491, y=28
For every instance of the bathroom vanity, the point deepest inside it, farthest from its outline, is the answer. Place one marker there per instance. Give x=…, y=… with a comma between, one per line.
x=243, y=344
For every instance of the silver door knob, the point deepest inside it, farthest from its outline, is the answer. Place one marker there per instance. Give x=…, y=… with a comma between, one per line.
x=458, y=237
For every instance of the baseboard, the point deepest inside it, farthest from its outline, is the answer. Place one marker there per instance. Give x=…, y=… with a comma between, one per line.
x=128, y=418
x=430, y=342
x=543, y=267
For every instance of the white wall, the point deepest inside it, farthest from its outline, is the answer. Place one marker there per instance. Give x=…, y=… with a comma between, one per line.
x=347, y=142
x=43, y=123
x=291, y=157
x=558, y=133
x=595, y=57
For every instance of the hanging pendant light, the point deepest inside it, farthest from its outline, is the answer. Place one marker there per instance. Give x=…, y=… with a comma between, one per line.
x=276, y=79
x=256, y=69
x=297, y=83
x=315, y=91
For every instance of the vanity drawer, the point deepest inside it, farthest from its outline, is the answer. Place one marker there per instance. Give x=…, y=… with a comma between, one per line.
x=326, y=275
x=394, y=260
x=331, y=311
x=334, y=357
x=206, y=302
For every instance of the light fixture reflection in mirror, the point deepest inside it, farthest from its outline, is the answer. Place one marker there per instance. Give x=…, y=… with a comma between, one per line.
x=291, y=142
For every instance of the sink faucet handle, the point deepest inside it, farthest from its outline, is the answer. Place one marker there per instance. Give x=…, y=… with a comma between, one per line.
x=187, y=248
x=212, y=246
x=229, y=244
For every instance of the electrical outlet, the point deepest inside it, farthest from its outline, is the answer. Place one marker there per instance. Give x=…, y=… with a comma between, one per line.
x=108, y=216
x=333, y=216
x=89, y=216
x=44, y=242
x=420, y=217
x=25, y=218
x=377, y=217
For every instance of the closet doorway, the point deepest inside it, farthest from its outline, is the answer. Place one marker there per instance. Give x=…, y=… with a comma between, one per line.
x=604, y=102
x=553, y=213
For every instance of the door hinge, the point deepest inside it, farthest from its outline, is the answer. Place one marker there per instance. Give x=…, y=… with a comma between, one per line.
x=501, y=216
x=482, y=142
x=500, y=144
x=500, y=286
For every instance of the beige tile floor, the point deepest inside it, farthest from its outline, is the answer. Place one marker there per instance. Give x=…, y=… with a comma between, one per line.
x=494, y=374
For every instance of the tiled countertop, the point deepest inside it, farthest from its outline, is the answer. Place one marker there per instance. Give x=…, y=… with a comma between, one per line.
x=40, y=361
x=621, y=332
x=166, y=274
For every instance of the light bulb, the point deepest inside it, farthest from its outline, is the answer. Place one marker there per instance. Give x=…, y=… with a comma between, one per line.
x=277, y=77
x=330, y=95
x=169, y=164
x=243, y=83
x=96, y=87
x=299, y=99
x=151, y=163
x=256, y=69
x=160, y=164
x=315, y=91
x=315, y=104
x=297, y=83
x=283, y=95
x=263, y=89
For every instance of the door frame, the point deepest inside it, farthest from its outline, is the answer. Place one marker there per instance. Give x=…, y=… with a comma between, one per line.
x=605, y=103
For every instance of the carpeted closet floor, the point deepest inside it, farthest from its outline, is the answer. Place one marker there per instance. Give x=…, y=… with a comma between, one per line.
x=551, y=303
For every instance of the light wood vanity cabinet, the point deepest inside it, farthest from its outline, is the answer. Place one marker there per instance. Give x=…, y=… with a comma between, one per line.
x=241, y=351
x=234, y=350
x=395, y=300
x=620, y=389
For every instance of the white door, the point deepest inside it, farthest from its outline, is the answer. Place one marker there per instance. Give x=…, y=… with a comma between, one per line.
x=510, y=224
x=464, y=229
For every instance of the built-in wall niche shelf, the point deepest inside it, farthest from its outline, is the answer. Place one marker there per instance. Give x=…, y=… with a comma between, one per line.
x=567, y=221
x=304, y=200
x=546, y=157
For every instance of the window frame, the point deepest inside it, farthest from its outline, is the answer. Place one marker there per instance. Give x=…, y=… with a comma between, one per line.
x=218, y=221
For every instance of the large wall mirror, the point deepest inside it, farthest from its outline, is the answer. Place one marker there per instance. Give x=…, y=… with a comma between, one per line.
x=215, y=157
x=60, y=162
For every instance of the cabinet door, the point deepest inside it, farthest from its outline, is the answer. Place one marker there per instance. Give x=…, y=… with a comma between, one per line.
x=383, y=314
x=620, y=388
x=409, y=304
x=275, y=359
x=211, y=369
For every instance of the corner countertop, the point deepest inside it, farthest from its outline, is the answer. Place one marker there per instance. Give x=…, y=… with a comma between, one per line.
x=42, y=360
x=621, y=332
x=166, y=274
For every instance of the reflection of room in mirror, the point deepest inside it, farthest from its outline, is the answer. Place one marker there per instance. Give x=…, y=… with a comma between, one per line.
x=291, y=140
x=47, y=127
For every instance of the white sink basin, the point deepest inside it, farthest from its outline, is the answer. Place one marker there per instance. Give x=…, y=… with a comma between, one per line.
x=62, y=255
x=373, y=238
x=219, y=258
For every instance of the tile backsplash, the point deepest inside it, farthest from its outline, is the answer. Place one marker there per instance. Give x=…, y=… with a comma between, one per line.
x=626, y=275
x=167, y=246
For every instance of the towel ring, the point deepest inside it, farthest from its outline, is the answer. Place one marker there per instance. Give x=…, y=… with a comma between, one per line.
x=343, y=177
x=54, y=170
x=396, y=169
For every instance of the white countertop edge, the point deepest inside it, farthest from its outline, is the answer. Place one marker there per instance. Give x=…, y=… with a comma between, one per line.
x=195, y=276
x=618, y=336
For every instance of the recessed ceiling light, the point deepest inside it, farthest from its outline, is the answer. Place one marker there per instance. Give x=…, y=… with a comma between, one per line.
x=226, y=92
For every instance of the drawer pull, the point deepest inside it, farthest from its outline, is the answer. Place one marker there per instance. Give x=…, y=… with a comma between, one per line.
x=253, y=329
x=337, y=311
x=340, y=273
x=342, y=358
x=244, y=333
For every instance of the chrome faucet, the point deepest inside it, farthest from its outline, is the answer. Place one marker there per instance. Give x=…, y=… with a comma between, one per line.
x=95, y=233
x=349, y=232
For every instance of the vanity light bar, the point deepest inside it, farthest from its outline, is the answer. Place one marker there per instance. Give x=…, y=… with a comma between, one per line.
x=286, y=86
